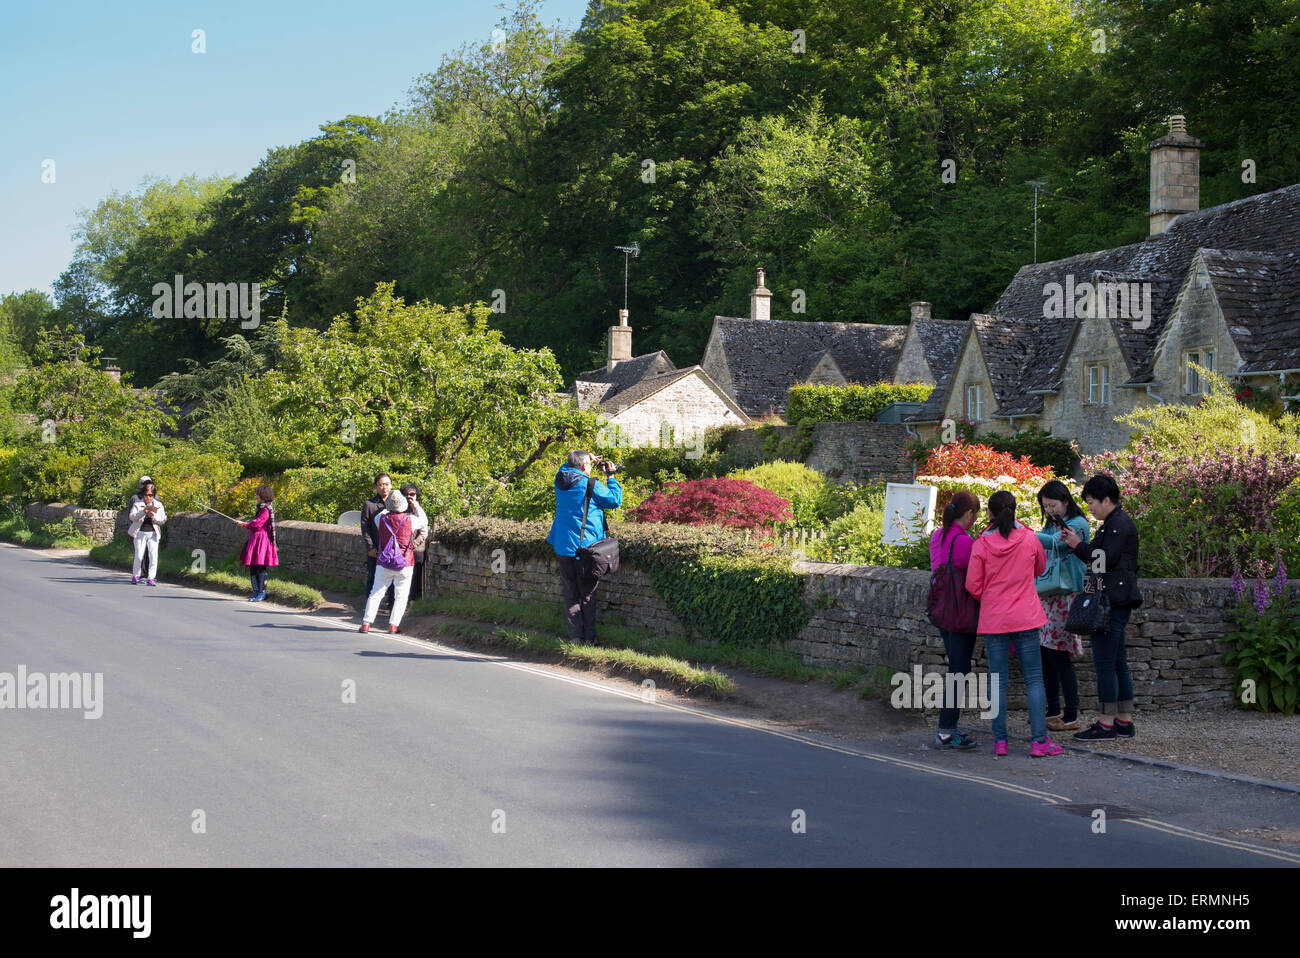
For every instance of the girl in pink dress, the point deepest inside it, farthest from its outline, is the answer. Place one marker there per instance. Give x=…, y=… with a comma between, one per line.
x=259, y=552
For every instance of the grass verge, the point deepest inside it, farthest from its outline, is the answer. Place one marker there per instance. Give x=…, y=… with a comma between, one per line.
x=63, y=534
x=226, y=575
x=619, y=637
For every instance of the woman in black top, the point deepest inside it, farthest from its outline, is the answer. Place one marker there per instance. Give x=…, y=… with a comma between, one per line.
x=1113, y=551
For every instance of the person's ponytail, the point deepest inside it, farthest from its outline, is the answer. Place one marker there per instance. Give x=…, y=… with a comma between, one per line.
x=1002, y=505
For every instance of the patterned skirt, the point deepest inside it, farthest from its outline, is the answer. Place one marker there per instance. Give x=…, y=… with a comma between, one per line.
x=1053, y=634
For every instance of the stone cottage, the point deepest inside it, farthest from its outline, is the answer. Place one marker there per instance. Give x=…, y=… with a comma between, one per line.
x=1074, y=343
x=755, y=360
x=646, y=400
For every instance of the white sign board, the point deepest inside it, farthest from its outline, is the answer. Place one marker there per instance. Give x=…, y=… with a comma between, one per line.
x=903, y=502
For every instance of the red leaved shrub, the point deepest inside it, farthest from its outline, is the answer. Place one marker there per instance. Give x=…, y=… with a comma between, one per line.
x=976, y=459
x=724, y=502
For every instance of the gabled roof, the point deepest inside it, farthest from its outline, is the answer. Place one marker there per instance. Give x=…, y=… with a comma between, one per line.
x=940, y=342
x=765, y=357
x=1027, y=352
x=630, y=371
x=643, y=390
x=1259, y=295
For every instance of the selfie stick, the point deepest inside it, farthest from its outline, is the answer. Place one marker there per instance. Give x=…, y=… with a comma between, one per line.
x=210, y=509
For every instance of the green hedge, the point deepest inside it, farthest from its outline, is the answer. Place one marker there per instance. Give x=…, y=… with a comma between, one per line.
x=726, y=589
x=851, y=403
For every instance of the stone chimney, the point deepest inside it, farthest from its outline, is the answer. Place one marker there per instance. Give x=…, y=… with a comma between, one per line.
x=760, y=300
x=620, y=342
x=1175, y=175
x=111, y=367
x=921, y=310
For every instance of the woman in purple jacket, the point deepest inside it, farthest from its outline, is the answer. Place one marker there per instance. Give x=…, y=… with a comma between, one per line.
x=958, y=516
x=259, y=552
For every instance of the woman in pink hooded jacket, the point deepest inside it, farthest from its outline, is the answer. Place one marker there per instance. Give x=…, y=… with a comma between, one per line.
x=1004, y=562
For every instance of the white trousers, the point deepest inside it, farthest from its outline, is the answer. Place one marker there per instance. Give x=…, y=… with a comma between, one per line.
x=146, y=541
x=400, y=580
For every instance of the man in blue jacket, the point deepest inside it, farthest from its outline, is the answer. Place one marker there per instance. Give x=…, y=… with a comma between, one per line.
x=568, y=534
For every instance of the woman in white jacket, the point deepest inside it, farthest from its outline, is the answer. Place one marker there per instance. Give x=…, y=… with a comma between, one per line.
x=146, y=517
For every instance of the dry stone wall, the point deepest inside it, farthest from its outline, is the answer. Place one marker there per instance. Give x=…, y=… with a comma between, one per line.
x=96, y=523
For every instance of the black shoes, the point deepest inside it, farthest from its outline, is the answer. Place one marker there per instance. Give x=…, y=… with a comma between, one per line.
x=1097, y=732
x=1123, y=729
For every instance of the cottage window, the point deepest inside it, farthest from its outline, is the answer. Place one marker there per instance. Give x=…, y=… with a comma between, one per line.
x=1203, y=357
x=1098, y=383
x=975, y=403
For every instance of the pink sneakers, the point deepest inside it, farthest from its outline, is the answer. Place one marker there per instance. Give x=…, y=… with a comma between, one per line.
x=1000, y=747
x=1044, y=748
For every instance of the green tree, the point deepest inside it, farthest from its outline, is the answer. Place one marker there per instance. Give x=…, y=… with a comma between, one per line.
x=424, y=382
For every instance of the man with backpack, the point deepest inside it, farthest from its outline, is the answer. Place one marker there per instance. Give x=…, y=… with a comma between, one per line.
x=395, y=530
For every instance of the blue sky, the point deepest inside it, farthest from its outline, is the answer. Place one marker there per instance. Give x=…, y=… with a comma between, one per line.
x=112, y=92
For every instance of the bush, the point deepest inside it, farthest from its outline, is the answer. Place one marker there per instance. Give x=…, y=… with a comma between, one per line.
x=1061, y=456
x=187, y=478
x=724, y=502
x=112, y=474
x=981, y=461
x=1213, y=487
x=1203, y=515
x=45, y=472
x=918, y=449
x=851, y=403
x=812, y=498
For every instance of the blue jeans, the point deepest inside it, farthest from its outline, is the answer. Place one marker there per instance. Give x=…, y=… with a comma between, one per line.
x=1110, y=658
x=1031, y=667
x=959, y=646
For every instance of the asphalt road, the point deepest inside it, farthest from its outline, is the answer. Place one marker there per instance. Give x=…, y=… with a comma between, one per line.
x=233, y=716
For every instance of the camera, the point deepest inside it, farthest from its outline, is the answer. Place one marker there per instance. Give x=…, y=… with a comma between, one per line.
x=607, y=466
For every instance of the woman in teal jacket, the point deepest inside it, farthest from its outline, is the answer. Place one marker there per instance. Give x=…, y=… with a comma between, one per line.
x=1060, y=511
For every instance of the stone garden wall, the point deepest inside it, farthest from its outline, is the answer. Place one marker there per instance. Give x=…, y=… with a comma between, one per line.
x=96, y=523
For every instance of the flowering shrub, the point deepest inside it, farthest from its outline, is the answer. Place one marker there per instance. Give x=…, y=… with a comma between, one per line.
x=724, y=502
x=1265, y=649
x=975, y=459
x=1204, y=515
x=918, y=449
x=1026, y=494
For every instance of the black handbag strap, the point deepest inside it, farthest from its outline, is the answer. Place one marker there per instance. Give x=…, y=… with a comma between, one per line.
x=586, y=505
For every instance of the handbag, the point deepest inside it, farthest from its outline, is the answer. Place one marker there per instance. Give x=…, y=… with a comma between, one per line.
x=1090, y=610
x=1055, y=578
x=600, y=558
x=950, y=606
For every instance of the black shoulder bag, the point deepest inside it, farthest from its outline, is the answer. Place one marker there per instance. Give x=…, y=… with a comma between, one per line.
x=600, y=558
x=1089, y=610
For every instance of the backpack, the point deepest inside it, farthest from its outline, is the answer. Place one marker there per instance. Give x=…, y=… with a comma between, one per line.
x=391, y=555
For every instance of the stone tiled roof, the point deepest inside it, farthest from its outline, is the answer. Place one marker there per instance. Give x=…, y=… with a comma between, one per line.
x=644, y=389
x=940, y=342
x=630, y=371
x=765, y=357
x=1259, y=294
x=1025, y=351
x=589, y=394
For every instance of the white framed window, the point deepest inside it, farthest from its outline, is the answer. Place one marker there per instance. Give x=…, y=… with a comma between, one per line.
x=975, y=403
x=1203, y=357
x=1098, y=383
